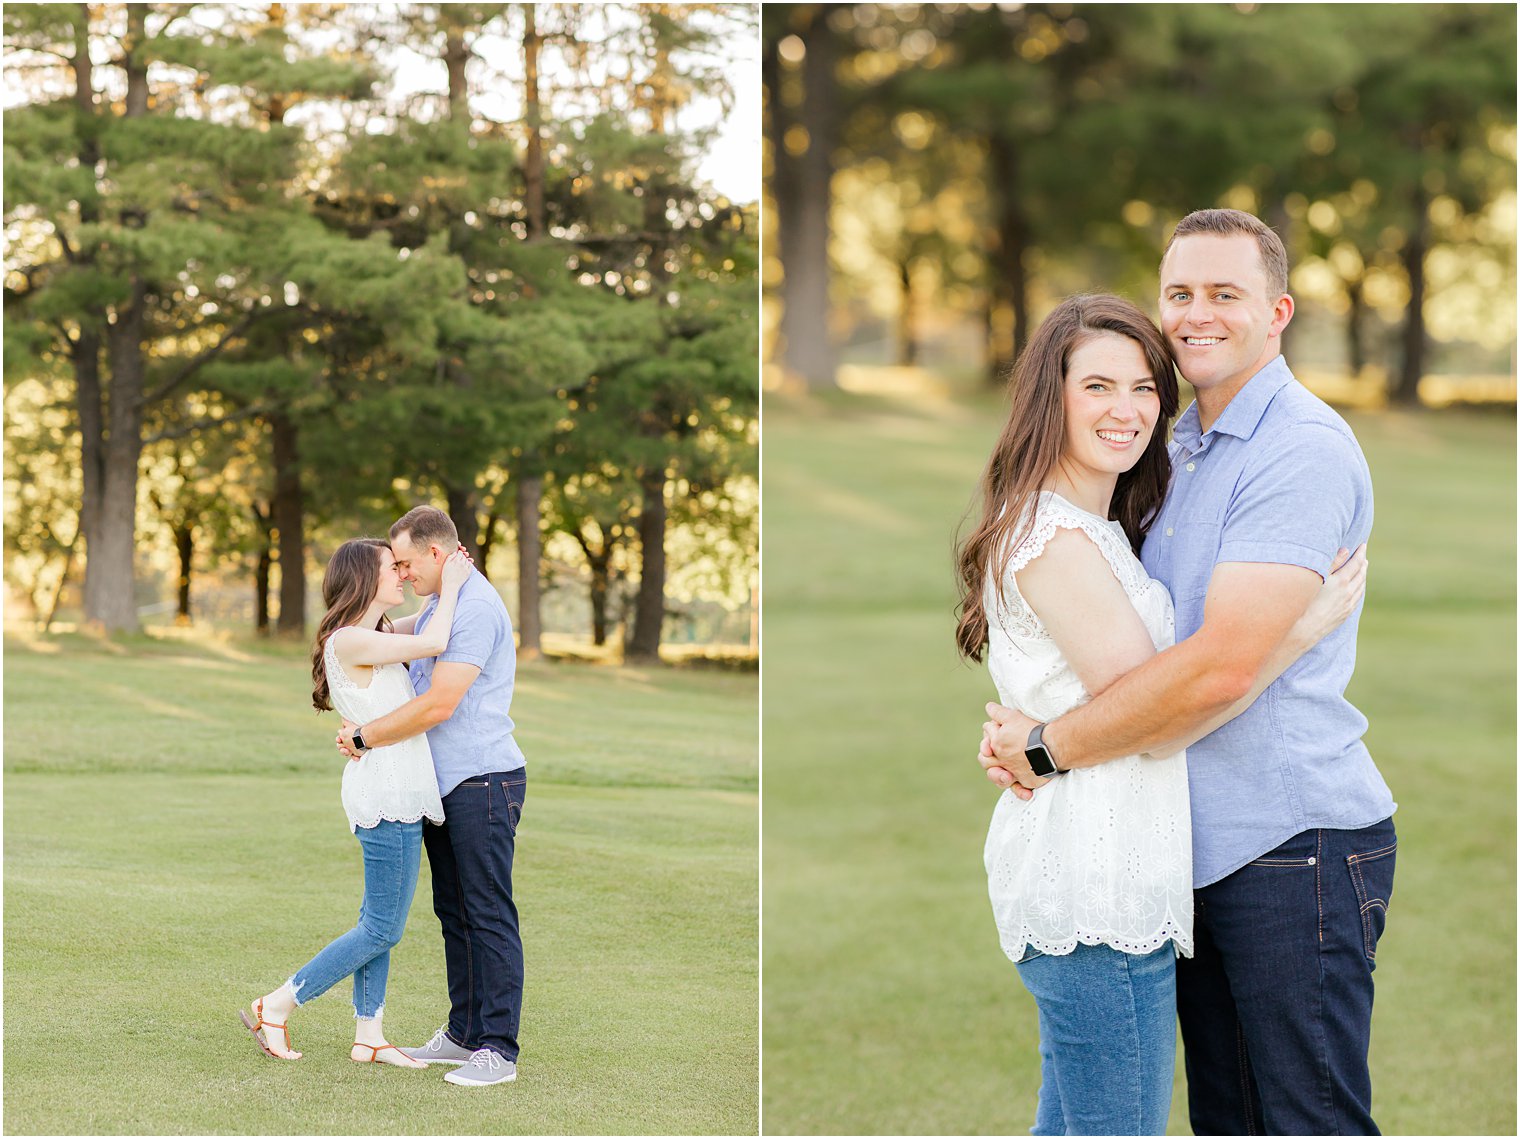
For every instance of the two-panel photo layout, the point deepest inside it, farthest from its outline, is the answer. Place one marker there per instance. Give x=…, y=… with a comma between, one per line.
x=753, y=569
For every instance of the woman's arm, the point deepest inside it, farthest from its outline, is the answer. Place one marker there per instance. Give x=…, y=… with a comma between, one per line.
x=1337, y=599
x=368, y=647
x=1073, y=590
x=404, y=625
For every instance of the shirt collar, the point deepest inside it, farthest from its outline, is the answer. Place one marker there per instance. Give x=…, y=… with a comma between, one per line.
x=1243, y=413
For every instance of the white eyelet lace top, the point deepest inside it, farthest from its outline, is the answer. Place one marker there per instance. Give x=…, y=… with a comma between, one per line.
x=394, y=782
x=1102, y=855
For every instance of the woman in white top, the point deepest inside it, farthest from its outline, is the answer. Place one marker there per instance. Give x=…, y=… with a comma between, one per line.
x=358, y=665
x=1090, y=879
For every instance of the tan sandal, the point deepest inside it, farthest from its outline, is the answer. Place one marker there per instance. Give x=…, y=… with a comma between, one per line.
x=374, y=1056
x=258, y=1024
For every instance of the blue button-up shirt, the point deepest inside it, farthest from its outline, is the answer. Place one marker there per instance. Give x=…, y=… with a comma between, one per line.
x=477, y=738
x=1278, y=478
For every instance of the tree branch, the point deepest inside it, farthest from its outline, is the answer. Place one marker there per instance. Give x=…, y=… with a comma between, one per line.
x=205, y=356
x=181, y=430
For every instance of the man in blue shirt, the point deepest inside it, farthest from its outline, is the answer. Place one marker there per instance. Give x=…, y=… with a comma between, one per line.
x=1293, y=836
x=462, y=703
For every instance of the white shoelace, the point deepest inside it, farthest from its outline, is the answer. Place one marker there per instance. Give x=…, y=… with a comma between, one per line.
x=436, y=1044
x=485, y=1058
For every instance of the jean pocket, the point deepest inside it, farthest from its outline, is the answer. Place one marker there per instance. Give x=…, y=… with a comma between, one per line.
x=1372, y=879
x=514, y=795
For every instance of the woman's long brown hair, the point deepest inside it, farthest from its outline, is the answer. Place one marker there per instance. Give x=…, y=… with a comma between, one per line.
x=1030, y=446
x=349, y=584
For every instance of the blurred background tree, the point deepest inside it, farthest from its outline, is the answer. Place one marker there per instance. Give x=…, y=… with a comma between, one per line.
x=274, y=274
x=939, y=176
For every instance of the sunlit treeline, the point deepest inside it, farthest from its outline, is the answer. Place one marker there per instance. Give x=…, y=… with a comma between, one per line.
x=276, y=273
x=941, y=174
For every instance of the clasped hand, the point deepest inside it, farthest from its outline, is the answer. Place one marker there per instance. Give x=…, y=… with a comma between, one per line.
x=345, y=740
x=1001, y=753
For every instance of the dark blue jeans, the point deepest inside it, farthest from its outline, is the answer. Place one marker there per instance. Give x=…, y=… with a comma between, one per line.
x=471, y=860
x=1276, y=1003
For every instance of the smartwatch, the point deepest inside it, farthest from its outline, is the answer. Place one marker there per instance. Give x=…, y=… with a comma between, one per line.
x=1042, y=760
x=361, y=746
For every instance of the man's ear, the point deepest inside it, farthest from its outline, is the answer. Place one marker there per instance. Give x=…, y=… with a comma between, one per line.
x=1282, y=313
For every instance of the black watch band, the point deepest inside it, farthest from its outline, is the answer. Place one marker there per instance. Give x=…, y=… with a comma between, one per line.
x=1042, y=760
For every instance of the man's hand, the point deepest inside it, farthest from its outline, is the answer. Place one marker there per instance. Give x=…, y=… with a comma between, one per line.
x=997, y=773
x=1002, y=751
x=345, y=739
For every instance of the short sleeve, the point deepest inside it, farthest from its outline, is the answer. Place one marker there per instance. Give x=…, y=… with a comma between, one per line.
x=1302, y=499
x=1054, y=514
x=477, y=630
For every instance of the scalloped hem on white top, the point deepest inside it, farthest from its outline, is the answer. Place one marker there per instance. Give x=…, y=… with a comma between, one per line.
x=1014, y=947
x=354, y=825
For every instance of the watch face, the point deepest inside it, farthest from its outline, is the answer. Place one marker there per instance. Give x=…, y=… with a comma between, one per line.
x=1040, y=762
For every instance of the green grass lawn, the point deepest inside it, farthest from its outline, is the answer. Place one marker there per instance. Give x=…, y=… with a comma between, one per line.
x=174, y=847
x=888, y=1006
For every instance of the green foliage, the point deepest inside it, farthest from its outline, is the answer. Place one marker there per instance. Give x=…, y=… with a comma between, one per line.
x=1094, y=128
x=391, y=313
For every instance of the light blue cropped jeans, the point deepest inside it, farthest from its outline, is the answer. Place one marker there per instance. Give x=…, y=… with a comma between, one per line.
x=392, y=858
x=1108, y=1039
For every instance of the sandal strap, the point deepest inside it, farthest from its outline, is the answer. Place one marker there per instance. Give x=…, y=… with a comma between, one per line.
x=374, y=1051
x=258, y=1014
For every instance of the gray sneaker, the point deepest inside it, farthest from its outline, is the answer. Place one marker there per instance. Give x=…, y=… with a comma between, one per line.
x=485, y=1067
x=439, y=1050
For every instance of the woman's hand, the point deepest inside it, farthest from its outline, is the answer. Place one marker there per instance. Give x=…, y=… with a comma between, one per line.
x=456, y=569
x=1336, y=600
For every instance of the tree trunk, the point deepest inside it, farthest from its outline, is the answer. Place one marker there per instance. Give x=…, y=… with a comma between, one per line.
x=110, y=425
x=263, y=518
x=801, y=186
x=456, y=54
x=1013, y=240
x=649, y=614
x=85, y=350
x=530, y=492
x=184, y=545
x=1406, y=392
x=599, y=565
x=461, y=509
x=488, y=539
x=533, y=158
x=907, y=317
x=109, y=601
x=288, y=515
x=261, y=588
x=1356, y=347
x=63, y=581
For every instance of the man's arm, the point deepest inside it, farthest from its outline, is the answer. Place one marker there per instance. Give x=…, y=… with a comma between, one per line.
x=451, y=680
x=1249, y=610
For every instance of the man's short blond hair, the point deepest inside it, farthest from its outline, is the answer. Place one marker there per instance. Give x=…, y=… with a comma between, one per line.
x=1229, y=223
